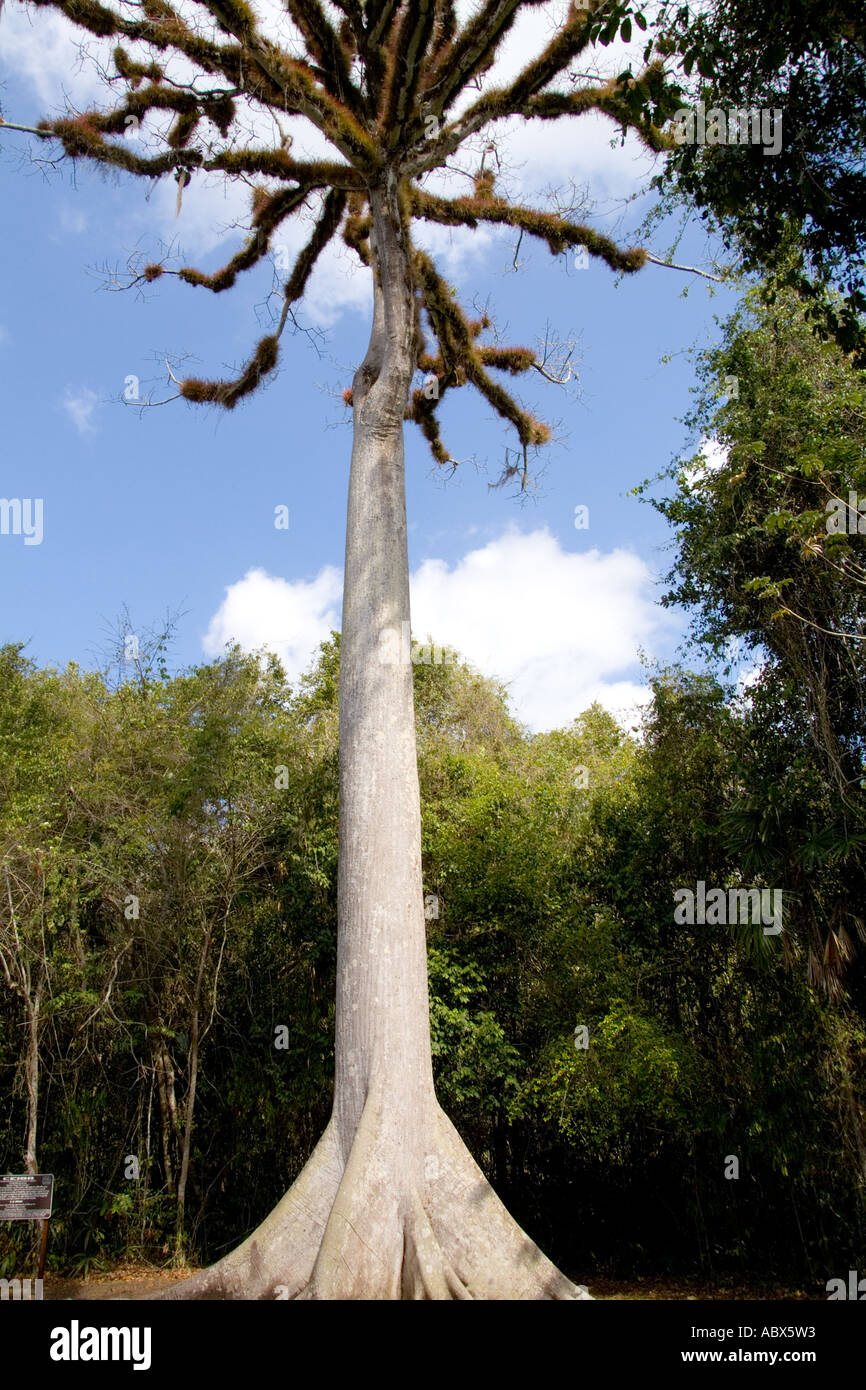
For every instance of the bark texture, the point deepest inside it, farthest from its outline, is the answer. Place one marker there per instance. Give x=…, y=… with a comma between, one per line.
x=390, y=1205
x=33, y=1004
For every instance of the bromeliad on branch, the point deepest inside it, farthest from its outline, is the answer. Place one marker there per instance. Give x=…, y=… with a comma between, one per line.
x=380, y=82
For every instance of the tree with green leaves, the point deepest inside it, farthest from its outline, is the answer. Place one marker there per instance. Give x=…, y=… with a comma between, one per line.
x=799, y=212
x=390, y=1205
x=770, y=540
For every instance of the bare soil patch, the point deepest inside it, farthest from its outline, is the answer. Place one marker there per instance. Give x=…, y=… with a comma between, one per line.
x=136, y=1281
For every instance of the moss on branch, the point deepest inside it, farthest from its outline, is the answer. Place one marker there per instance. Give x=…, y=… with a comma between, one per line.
x=558, y=233
x=228, y=393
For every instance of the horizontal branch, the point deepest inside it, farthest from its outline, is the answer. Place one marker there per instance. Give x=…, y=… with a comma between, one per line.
x=228, y=393
x=690, y=269
x=279, y=164
x=558, y=233
x=81, y=139
x=624, y=102
x=27, y=129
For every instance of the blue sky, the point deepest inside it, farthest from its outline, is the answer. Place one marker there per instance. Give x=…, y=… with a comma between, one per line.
x=172, y=508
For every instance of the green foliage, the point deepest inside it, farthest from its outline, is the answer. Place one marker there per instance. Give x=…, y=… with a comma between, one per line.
x=765, y=576
x=552, y=858
x=472, y=1059
x=800, y=213
x=626, y=1096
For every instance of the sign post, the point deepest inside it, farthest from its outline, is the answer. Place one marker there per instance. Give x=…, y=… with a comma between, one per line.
x=28, y=1197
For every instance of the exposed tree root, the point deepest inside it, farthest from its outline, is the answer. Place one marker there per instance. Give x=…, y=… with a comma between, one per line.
x=427, y=1273
x=276, y=1261
x=384, y=1226
x=493, y=1257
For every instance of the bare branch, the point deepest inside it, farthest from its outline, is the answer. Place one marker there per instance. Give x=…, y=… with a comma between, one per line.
x=555, y=363
x=27, y=129
x=690, y=269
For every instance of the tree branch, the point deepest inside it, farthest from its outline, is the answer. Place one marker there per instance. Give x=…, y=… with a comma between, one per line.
x=691, y=269
x=558, y=233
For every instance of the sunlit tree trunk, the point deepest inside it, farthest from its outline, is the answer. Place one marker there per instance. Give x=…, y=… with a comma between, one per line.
x=391, y=1205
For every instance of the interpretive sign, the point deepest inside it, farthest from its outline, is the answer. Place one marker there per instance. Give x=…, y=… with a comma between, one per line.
x=26, y=1197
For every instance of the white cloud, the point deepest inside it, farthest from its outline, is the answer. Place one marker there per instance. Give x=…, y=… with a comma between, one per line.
x=45, y=49
x=338, y=282
x=750, y=677
x=80, y=406
x=710, y=458
x=212, y=211
x=287, y=617
x=561, y=628
x=578, y=148
x=457, y=249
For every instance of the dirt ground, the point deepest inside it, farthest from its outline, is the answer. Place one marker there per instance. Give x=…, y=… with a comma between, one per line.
x=125, y=1281
x=135, y=1281
x=688, y=1291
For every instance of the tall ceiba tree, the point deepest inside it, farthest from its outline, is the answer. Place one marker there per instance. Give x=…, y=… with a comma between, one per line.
x=390, y=1205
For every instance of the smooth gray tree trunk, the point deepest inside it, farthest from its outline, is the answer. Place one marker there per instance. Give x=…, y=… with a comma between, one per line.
x=390, y=1205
